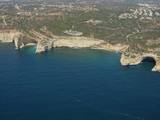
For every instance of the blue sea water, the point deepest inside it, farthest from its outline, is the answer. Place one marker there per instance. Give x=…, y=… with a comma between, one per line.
x=75, y=84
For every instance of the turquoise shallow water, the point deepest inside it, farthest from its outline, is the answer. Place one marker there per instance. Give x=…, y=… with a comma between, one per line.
x=68, y=84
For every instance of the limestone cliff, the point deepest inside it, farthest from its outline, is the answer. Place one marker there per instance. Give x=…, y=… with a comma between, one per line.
x=9, y=35
x=45, y=43
x=48, y=41
x=18, y=38
x=76, y=42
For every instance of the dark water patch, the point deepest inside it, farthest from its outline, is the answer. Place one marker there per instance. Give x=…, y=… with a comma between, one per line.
x=149, y=60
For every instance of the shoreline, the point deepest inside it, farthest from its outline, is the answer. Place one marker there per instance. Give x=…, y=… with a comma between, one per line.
x=45, y=42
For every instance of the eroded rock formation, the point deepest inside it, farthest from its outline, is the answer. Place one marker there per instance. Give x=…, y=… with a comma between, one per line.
x=135, y=59
x=46, y=42
x=18, y=38
x=9, y=35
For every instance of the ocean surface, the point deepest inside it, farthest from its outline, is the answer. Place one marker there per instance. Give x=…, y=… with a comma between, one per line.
x=75, y=84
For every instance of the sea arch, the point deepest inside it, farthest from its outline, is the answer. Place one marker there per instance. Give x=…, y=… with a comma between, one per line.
x=150, y=58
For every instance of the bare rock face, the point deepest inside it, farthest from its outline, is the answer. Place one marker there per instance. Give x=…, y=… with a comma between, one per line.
x=71, y=42
x=19, y=39
x=9, y=35
x=76, y=42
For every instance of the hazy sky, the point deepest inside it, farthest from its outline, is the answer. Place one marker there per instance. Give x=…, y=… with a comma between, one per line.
x=141, y=1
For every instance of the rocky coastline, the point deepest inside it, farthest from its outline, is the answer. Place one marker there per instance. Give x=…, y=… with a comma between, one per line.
x=45, y=42
x=138, y=58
